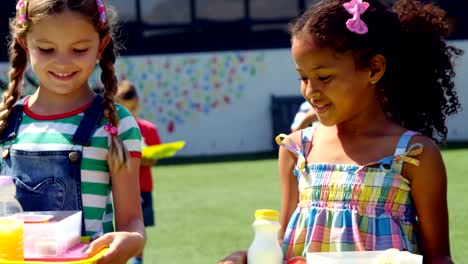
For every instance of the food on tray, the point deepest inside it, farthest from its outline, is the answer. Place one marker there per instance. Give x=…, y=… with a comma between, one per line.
x=297, y=260
x=46, y=247
x=394, y=256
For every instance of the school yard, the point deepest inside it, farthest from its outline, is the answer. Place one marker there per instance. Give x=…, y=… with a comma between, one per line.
x=205, y=210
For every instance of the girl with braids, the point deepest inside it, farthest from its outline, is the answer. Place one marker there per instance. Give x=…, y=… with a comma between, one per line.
x=64, y=144
x=370, y=176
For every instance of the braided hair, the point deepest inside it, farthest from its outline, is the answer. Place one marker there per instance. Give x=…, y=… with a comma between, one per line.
x=34, y=11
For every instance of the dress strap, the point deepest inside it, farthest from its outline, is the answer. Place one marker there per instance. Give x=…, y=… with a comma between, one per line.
x=306, y=140
x=403, y=153
x=301, y=150
x=286, y=142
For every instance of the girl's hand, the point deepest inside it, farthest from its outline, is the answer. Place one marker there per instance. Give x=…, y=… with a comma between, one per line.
x=239, y=257
x=148, y=162
x=122, y=246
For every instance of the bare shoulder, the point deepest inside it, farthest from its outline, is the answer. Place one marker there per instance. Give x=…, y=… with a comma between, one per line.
x=292, y=138
x=430, y=148
x=290, y=146
x=431, y=165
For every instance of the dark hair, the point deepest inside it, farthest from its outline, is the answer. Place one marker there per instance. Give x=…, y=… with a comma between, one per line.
x=38, y=9
x=411, y=37
x=126, y=91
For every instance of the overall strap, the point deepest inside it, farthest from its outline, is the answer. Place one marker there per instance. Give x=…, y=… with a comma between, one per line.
x=401, y=150
x=13, y=122
x=89, y=123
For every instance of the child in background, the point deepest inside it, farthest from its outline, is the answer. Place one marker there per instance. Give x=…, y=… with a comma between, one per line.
x=305, y=116
x=64, y=144
x=128, y=97
x=370, y=176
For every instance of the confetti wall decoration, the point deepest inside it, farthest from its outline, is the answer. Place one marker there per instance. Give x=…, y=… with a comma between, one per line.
x=177, y=88
x=220, y=102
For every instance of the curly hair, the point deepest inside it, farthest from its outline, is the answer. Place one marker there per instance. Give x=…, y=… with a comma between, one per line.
x=411, y=37
x=37, y=10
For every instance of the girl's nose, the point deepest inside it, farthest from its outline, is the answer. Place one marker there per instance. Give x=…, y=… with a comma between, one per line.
x=312, y=89
x=63, y=60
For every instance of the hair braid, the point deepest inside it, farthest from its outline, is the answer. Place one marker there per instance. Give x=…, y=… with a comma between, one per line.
x=118, y=153
x=18, y=61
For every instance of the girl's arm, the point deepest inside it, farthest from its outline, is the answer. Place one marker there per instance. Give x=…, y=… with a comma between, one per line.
x=289, y=188
x=130, y=237
x=429, y=192
x=148, y=162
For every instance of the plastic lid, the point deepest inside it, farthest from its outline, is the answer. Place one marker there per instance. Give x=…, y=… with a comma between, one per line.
x=267, y=214
x=6, y=180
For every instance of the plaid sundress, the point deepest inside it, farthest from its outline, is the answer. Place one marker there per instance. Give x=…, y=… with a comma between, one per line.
x=350, y=207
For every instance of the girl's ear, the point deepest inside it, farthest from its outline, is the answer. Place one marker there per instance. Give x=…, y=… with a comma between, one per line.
x=377, y=67
x=23, y=44
x=104, y=41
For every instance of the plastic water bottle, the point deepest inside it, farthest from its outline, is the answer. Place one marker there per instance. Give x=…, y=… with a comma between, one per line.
x=265, y=248
x=11, y=228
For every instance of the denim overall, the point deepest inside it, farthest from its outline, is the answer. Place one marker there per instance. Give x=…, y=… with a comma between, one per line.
x=49, y=180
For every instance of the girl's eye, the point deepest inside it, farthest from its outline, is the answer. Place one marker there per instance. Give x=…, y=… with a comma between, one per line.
x=303, y=79
x=80, y=50
x=46, y=50
x=325, y=78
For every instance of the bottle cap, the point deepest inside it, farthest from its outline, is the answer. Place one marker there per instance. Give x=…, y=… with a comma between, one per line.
x=6, y=180
x=266, y=214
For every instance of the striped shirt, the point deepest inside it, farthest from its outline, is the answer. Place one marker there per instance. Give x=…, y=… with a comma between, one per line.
x=52, y=133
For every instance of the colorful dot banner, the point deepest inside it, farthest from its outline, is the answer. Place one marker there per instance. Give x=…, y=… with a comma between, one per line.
x=174, y=89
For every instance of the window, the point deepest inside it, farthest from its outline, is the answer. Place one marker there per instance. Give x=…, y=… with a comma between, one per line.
x=273, y=9
x=309, y=3
x=165, y=12
x=219, y=10
x=174, y=26
x=126, y=10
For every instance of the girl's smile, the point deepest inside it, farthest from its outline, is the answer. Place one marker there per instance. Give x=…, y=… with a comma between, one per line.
x=320, y=109
x=63, y=76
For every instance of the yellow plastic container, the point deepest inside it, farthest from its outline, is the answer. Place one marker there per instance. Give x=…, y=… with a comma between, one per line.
x=90, y=260
x=267, y=214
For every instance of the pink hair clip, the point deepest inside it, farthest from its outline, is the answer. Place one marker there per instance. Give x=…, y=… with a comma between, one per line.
x=102, y=12
x=21, y=11
x=356, y=8
x=113, y=131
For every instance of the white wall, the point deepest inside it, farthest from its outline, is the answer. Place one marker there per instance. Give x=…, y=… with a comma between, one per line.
x=458, y=124
x=244, y=125
x=220, y=102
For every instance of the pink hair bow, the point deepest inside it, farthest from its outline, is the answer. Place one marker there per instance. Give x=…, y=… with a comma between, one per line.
x=356, y=8
x=113, y=131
